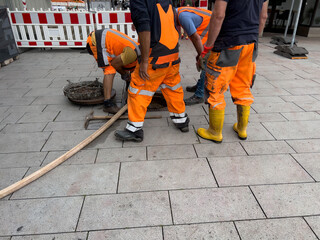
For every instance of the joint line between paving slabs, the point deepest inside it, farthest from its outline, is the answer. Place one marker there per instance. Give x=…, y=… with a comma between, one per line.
x=258, y=202
x=235, y=226
x=195, y=150
x=96, y=157
x=268, y=131
x=244, y=149
x=310, y=227
x=84, y=197
x=170, y=208
x=303, y=167
x=212, y=172
x=46, y=141
x=299, y=107
x=117, y=191
x=162, y=230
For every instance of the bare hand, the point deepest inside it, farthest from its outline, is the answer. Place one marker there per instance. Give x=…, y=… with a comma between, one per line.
x=143, y=71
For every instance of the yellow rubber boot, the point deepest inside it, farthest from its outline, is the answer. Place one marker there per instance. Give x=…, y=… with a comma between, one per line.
x=240, y=127
x=214, y=132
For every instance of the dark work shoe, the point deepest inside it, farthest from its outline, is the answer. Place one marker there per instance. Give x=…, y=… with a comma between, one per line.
x=127, y=135
x=191, y=88
x=193, y=100
x=110, y=107
x=183, y=127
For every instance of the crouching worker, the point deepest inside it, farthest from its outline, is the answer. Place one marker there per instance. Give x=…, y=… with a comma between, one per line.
x=114, y=52
x=232, y=42
x=158, y=67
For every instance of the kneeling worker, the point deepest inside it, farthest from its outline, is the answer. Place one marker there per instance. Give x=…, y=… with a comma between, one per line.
x=114, y=52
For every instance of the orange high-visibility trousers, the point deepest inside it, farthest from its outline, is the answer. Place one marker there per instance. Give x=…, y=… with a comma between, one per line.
x=234, y=68
x=140, y=94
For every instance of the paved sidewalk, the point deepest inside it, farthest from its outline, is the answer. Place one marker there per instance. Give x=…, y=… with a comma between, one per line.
x=173, y=185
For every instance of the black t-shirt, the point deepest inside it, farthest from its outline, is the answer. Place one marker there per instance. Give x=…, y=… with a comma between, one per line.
x=241, y=24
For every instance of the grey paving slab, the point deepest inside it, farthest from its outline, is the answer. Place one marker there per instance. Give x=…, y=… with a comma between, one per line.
x=276, y=107
x=171, y=152
x=287, y=228
x=63, y=107
x=61, y=236
x=153, y=233
x=9, y=176
x=24, y=128
x=296, y=83
x=252, y=170
x=294, y=129
x=266, y=147
x=24, y=109
x=22, y=142
x=64, y=126
x=315, y=106
x=125, y=210
x=70, y=139
x=16, y=101
x=301, y=146
x=274, y=99
x=314, y=223
x=299, y=98
x=13, y=160
x=165, y=175
x=301, y=116
x=164, y=136
x=81, y=157
x=195, y=110
x=39, y=117
x=35, y=92
x=258, y=84
x=317, y=96
x=162, y=122
x=9, y=118
x=265, y=117
x=219, y=150
x=267, y=92
x=73, y=180
x=39, y=83
x=216, y=204
x=122, y=154
x=67, y=116
x=214, y=231
x=310, y=162
x=38, y=216
x=4, y=238
x=289, y=199
x=304, y=91
x=13, y=93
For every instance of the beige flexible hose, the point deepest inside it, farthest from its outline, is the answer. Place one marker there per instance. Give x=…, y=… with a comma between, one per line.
x=25, y=181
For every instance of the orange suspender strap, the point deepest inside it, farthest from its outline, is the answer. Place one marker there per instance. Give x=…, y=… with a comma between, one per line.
x=167, y=49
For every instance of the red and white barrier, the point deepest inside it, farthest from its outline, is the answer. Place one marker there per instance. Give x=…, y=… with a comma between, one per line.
x=203, y=4
x=51, y=29
x=120, y=20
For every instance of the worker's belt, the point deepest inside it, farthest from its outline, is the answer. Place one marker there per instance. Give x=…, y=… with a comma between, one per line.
x=164, y=61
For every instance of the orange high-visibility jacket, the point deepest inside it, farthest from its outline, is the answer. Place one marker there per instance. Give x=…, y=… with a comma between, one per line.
x=203, y=29
x=110, y=44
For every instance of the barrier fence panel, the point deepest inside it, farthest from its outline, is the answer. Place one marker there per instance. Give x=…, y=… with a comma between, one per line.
x=69, y=28
x=51, y=29
x=119, y=20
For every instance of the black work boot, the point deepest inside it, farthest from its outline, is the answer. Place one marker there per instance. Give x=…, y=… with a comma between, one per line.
x=183, y=127
x=191, y=88
x=110, y=107
x=193, y=100
x=127, y=135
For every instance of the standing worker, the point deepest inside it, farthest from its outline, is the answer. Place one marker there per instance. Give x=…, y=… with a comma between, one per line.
x=233, y=38
x=195, y=22
x=158, y=67
x=114, y=52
